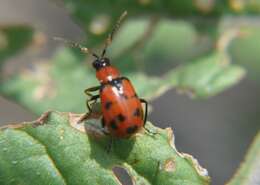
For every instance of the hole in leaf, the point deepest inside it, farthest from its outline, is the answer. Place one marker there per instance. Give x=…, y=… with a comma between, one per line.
x=122, y=175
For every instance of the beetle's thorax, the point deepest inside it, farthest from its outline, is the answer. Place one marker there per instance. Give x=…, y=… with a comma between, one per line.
x=104, y=71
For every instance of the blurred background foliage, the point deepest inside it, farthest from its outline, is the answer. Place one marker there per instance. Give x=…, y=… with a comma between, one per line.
x=201, y=48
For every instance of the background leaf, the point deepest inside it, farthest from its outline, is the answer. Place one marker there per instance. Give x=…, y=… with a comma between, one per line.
x=206, y=77
x=112, y=9
x=245, y=50
x=59, y=151
x=13, y=38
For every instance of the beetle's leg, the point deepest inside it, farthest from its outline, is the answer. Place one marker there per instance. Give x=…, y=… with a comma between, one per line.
x=110, y=144
x=93, y=99
x=88, y=91
x=145, y=116
x=146, y=109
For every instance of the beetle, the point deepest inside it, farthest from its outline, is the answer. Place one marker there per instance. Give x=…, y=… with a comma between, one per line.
x=122, y=111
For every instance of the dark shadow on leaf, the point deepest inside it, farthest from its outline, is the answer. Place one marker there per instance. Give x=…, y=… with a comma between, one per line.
x=99, y=143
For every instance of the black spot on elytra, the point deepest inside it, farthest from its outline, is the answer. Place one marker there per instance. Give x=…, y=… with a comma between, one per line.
x=137, y=112
x=113, y=124
x=116, y=83
x=108, y=105
x=132, y=129
x=121, y=117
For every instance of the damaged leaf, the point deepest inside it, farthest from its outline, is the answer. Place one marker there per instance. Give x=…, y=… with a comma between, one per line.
x=56, y=150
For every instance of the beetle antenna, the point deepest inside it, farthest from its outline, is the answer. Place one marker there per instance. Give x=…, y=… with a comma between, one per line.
x=111, y=35
x=76, y=45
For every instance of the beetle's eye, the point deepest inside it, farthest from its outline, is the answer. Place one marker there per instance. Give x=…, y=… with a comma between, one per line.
x=97, y=64
x=106, y=61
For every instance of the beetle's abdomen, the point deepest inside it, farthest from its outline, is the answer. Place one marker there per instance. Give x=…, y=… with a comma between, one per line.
x=121, y=108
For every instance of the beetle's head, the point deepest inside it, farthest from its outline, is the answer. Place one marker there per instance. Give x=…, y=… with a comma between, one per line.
x=100, y=63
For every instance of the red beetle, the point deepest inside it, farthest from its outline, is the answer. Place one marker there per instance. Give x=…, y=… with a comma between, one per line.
x=122, y=110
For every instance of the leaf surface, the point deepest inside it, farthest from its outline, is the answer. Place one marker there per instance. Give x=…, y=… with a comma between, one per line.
x=56, y=150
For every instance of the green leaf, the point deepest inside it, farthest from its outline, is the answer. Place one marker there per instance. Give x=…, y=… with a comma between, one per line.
x=245, y=50
x=56, y=150
x=106, y=12
x=98, y=17
x=58, y=84
x=13, y=39
x=207, y=76
x=154, y=47
x=248, y=172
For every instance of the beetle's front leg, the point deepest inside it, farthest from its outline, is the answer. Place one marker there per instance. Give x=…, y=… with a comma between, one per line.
x=93, y=98
x=90, y=90
x=89, y=102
